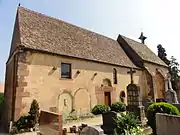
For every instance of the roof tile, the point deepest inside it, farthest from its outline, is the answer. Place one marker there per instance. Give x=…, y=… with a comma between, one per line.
x=38, y=31
x=143, y=51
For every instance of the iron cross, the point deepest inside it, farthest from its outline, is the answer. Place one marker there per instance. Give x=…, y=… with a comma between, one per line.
x=131, y=72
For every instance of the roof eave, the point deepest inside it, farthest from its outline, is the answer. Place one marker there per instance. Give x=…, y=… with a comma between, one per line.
x=56, y=54
x=166, y=66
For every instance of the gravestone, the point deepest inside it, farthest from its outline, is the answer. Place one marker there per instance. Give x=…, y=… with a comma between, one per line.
x=108, y=122
x=134, y=100
x=92, y=130
x=135, y=103
x=171, y=96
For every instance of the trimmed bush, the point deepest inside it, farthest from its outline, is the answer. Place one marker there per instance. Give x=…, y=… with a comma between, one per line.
x=118, y=107
x=159, y=108
x=100, y=109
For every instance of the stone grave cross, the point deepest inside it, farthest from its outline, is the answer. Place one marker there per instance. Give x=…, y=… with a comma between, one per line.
x=131, y=72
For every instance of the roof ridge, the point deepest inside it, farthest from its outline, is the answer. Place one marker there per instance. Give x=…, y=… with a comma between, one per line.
x=133, y=40
x=139, y=43
x=59, y=20
x=144, y=46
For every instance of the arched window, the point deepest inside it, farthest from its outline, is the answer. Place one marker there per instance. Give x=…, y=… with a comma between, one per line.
x=114, y=76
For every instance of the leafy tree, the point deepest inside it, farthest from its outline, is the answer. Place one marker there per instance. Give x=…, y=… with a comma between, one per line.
x=173, y=66
x=162, y=54
x=174, y=71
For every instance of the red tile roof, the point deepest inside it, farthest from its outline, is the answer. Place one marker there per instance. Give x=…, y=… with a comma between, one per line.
x=41, y=32
x=143, y=51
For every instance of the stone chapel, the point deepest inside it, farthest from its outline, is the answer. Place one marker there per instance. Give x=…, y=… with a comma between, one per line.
x=67, y=68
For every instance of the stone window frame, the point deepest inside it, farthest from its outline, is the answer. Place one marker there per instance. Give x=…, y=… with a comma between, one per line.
x=115, y=81
x=69, y=74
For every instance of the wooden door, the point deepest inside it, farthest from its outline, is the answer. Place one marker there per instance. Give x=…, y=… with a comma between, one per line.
x=107, y=98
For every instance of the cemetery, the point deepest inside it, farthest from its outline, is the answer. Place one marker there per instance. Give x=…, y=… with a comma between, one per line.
x=117, y=119
x=65, y=80
x=137, y=117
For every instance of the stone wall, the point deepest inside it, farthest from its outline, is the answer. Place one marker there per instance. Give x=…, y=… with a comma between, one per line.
x=167, y=124
x=47, y=86
x=49, y=120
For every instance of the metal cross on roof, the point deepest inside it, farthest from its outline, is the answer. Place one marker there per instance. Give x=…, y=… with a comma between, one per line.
x=131, y=72
x=142, y=38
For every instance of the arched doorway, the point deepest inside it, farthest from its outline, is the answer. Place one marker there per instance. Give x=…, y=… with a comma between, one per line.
x=160, y=86
x=107, y=86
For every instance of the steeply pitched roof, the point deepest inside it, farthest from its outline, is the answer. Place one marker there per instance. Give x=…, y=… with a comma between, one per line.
x=143, y=51
x=40, y=32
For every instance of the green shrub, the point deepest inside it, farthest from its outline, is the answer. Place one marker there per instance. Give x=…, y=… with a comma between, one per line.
x=100, y=109
x=118, y=107
x=29, y=121
x=127, y=124
x=23, y=123
x=159, y=108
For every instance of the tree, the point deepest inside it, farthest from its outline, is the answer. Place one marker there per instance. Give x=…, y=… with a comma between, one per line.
x=174, y=71
x=162, y=54
x=173, y=65
x=34, y=112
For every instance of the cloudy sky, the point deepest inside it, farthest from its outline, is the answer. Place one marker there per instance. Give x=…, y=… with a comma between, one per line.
x=158, y=19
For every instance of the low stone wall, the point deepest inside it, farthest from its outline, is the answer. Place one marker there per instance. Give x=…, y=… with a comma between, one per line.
x=50, y=121
x=167, y=124
x=28, y=133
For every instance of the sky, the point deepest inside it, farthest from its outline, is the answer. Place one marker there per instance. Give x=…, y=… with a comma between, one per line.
x=158, y=19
